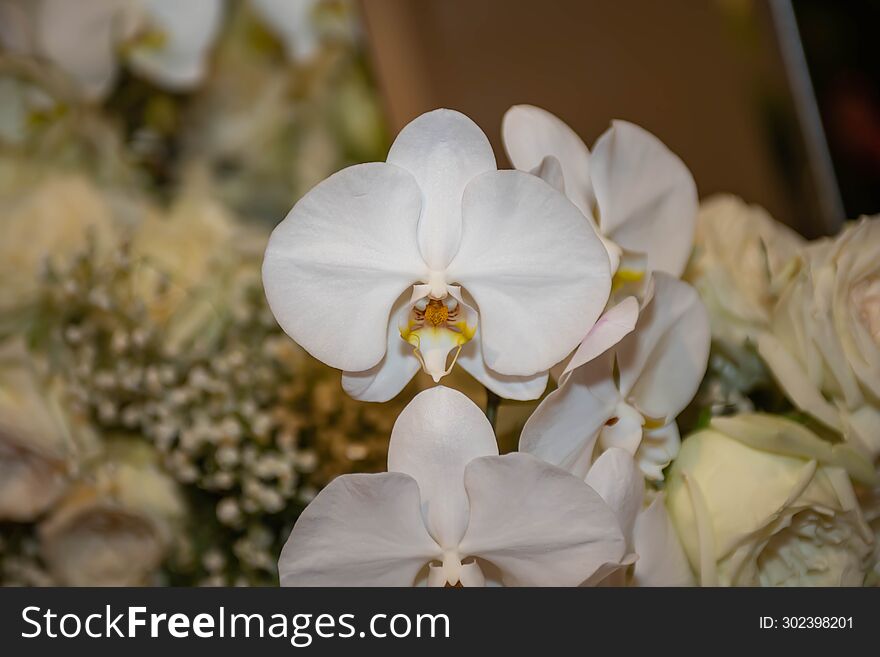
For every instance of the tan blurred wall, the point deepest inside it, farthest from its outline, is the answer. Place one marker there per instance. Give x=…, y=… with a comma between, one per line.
x=687, y=70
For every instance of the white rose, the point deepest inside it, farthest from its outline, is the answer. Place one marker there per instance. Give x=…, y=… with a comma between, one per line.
x=53, y=221
x=113, y=528
x=739, y=250
x=824, y=344
x=761, y=500
x=870, y=503
x=38, y=439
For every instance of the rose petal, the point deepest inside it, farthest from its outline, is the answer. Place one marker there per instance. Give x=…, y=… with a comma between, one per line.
x=795, y=382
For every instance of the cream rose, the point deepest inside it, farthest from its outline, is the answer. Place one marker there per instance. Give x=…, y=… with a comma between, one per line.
x=761, y=500
x=115, y=526
x=824, y=342
x=39, y=441
x=740, y=249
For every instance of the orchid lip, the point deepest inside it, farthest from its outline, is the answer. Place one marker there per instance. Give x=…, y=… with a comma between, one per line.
x=437, y=326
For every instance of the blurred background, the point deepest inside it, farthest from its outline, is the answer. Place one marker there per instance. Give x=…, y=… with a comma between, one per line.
x=156, y=426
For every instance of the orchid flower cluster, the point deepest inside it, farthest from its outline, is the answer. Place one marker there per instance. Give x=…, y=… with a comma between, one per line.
x=566, y=267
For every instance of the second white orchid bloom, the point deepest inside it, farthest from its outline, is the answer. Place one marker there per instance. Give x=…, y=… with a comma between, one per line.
x=451, y=512
x=435, y=256
x=629, y=396
x=638, y=194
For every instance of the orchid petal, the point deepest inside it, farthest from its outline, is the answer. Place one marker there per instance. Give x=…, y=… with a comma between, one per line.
x=619, y=482
x=647, y=197
x=531, y=133
x=612, y=326
x=472, y=575
x=434, y=438
x=80, y=38
x=537, y=271
x=657, y=449
x=550, y=171
x=624, y=430
x=564, y=428
x=437, y=347
x=390, y=375
x=189, y=28
x=663, y=361
x=361, y=530
x=443, y=150
x=539, y=525
x=336, y=265
x=520, y=388
x=662, y=561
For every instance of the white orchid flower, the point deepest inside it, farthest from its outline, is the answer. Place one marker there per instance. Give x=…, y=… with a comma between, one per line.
x=166, y=41
x=637, y=193
x=434, y=256
x=651, y=542
x=450, y=511
x=630, y=395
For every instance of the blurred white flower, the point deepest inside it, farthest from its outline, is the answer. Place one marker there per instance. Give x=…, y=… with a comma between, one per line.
x=39, y=439
x=115, y=526
x=450, y=511
x=824, y=342
x=760, y=500
x=421, y=245
x=182, y=246
x=303, y=25
x=52, y=221
x=166, y=41
x=740, y=251
x=23, y=106
x=292, y=21
x=636, y=193
x=630, y=395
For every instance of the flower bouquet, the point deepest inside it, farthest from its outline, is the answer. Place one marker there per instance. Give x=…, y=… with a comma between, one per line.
x=569, y=268
x=570, y=372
